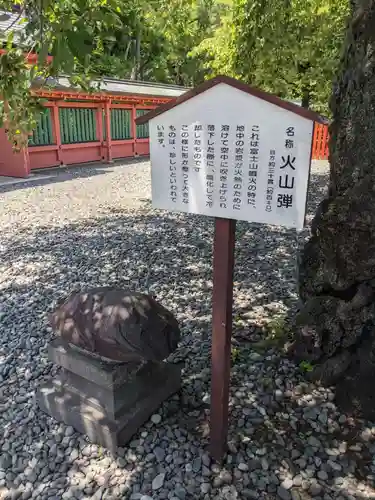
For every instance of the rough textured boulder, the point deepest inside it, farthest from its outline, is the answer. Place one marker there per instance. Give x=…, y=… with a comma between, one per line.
x=117, y=325
x=336, y=325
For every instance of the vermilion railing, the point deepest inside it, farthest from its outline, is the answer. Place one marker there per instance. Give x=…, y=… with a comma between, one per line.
x=76, y=132
x=320, y=142
x=79, y=133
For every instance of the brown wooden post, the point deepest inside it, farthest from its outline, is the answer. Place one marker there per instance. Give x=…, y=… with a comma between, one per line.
x=57, y=131
x=107, y=114
x=134, y=129
x=222, y=304
x=99, y=123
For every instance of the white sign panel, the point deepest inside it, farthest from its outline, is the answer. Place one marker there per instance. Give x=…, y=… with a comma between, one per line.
x=226, y=153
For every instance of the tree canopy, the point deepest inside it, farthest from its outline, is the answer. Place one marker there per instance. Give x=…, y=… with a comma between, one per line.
x=289, y=47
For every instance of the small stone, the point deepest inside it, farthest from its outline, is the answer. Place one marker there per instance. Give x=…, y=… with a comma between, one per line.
x=180, y=493
x=343, y=447
x=295, y=495
x=217, y=482
x=74, y=454
x=232, y=447
x=265, y=464
x=229, y=493
x=226, y=476
x=322, y=475
x=356, y=447
x=206, y=471
x=5, y=461
x=287, y=483
x=6, y=446
x=205, y=488
x=197, y=464
x=318, y=461
x=279, y=395
x=158, y=481
x=323, y=418
x=86, y=452
x=297, y=480
x=254, y=464
x=31, y=475
x=261, y=451
x=301, y=462
x=283, y=493
x=206, y=460
x=156, y=418
x=159, y=453
x=334, y=465
x=313, y=441
x=243, y=467
x=315, y=489
x=333, y=452
x=251, y=494
x=206, y=398
x=188, y=468
x=69, y=431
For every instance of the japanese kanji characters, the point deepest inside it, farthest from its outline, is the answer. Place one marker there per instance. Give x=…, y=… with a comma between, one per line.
x=197, y=150
x=210, y=165
x=270, y=180
x=287, y=169
x=231, y=169
x=224, y=165
x=253, y=165
x=185, y=163
x=238, y=167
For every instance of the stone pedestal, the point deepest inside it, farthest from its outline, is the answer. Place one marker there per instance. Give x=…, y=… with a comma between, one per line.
x=101, y=400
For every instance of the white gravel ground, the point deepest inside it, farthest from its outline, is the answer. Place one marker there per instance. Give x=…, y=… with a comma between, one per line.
x=93, y=226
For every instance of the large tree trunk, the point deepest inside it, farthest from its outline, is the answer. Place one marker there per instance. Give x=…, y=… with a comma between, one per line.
x=336, y=325
x=137, y=58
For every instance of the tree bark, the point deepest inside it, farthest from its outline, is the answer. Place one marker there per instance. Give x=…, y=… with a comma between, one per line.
x=335, y=328
x=137, y=58
x=306, y=98
x=303, y=67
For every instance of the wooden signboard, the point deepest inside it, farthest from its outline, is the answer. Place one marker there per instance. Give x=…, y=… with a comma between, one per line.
x=232, y=152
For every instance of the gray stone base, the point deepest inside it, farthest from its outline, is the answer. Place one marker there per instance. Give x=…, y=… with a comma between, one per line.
x=99, y=402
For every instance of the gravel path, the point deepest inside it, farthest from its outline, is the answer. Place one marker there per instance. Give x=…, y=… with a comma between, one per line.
x=95, y=226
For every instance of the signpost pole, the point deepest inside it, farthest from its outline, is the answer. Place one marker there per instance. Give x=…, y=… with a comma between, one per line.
x=222, y=300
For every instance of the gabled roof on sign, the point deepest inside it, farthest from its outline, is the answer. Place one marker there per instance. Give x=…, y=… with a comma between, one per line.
x=208, y=84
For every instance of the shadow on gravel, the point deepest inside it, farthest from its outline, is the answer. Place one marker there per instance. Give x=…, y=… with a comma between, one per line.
x=170, y=256
x=56, y=175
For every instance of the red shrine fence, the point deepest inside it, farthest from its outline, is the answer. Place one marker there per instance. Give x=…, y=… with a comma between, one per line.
x=320, y=142
x=70, y=132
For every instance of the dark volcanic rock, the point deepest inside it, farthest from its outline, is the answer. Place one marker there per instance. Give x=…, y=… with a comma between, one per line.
x=117, y=324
